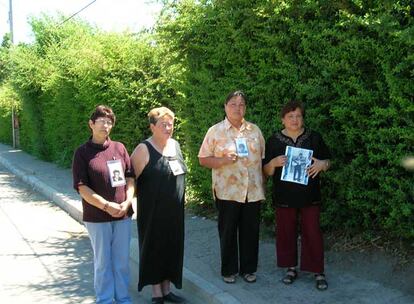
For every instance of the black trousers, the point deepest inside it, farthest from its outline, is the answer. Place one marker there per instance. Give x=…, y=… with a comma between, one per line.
x=238, y=226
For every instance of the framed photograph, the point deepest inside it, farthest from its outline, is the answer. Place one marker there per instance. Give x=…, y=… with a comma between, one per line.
x=298, y=161
x=241, y=147
x=116, y=173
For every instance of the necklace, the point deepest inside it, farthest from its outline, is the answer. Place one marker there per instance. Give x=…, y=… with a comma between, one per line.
x=293, y=136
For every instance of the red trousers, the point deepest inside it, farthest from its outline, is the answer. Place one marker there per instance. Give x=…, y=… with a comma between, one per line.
x=312, y=254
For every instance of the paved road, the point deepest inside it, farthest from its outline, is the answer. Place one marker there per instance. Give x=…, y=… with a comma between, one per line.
x=45, y=255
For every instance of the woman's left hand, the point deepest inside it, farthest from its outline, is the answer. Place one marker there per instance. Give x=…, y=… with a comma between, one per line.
x=316, y=167
x=124, y=209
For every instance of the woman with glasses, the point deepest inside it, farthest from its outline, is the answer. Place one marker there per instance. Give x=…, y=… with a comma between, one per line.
x=106, y=205
x=160, y=172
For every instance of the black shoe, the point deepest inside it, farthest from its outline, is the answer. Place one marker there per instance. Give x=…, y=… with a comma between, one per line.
x=290, y=276
x=321, y=283
x=173, y=298
x=157, y=300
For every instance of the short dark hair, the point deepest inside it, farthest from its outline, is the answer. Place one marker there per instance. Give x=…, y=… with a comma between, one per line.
x=103, y=111
x=291, y=106
x=234, y=94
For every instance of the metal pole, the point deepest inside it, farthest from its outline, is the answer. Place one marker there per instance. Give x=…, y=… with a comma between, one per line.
x=11, y=20
x=14, y=130
x=12, y=42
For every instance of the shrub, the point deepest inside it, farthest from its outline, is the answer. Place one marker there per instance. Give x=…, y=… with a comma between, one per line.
x=351, y=63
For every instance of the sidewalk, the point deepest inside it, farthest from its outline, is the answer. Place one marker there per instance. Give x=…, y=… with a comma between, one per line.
x=45, y=255
x=353, y=277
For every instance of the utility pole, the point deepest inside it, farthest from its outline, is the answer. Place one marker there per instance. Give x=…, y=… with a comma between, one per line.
x=11, y=20
x=13, y=116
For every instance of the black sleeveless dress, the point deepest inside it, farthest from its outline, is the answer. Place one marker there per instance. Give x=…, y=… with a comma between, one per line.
x=160, y=220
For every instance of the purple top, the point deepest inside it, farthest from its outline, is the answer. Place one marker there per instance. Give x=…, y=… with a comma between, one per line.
x=90, y=168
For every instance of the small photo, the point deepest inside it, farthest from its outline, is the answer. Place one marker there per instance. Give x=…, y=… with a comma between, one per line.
x=116, y=176
x=241, y=147
x=175, y=167
x=298, y=161
x=116, y=173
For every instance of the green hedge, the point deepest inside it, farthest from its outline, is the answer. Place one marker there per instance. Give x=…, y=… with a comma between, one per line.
x=8, y=102
x=8, y=98
x=72, y=68
x=351, y=62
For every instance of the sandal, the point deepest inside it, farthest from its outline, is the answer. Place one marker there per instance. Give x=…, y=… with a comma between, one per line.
x=229, y=279
x=321, y=283
x=249, y=277
x=290, y=276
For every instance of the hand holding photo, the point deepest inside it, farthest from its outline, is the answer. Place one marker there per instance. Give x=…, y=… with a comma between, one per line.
x=298, y=161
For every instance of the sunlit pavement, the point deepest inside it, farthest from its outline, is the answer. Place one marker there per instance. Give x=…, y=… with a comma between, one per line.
x=45, y=255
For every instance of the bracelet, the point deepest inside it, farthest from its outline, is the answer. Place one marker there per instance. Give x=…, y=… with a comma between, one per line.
x=105, y=207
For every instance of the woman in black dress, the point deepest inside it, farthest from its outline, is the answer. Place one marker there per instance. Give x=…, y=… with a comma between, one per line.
x=294, y=198
x=160, y=171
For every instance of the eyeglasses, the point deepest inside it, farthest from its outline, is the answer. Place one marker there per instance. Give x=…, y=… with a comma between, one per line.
x=104, y=121
x=166, y=124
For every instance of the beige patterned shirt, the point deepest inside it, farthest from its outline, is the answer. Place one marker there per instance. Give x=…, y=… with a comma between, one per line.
x=243, y=180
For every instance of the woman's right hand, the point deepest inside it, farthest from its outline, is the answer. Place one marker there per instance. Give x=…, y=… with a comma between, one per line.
x=279, y=161
x=229, y=158
x=114, y=210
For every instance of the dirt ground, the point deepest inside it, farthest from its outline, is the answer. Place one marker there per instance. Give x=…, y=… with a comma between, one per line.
x=385, y=260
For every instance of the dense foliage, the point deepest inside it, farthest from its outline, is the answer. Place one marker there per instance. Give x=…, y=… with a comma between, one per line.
x=72, y=68
x=8, y=97
x=351, y=62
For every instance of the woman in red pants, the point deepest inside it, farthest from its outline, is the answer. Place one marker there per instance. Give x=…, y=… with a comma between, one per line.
x=297, y=199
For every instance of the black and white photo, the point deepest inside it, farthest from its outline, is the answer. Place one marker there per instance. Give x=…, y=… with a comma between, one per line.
x=298, y=161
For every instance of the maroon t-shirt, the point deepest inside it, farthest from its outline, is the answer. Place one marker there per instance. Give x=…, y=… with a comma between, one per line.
x=90, y=168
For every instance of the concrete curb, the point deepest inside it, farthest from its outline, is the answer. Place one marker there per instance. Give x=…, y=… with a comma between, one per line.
x=72, y=207
x=192, y=282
